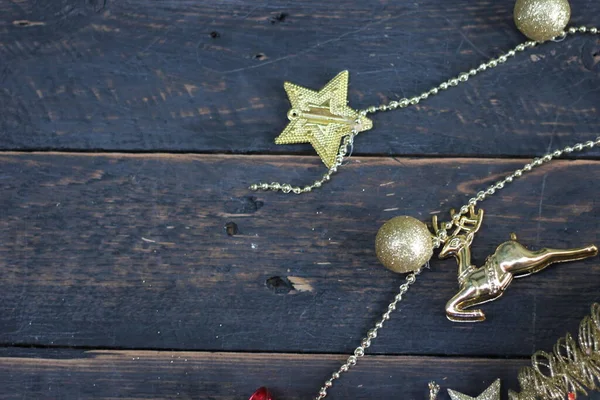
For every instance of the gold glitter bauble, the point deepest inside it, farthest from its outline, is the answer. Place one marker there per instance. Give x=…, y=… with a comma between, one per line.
x=403, y=244
x=542, y=20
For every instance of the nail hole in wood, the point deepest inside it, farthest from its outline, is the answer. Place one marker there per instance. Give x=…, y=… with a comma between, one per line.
x=279, y=17
x=243, y=205
x=260, y=56
x=280, y=285
x=215, y=34
x=231, y=228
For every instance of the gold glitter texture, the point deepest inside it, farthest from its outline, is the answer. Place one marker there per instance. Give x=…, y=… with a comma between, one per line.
x=491, y=393
x=574, y=365
x=542, y=20
x=322, y=118
x=403, y=244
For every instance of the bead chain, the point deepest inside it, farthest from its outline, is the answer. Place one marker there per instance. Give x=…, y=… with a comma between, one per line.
x=405, y=102
x=371, y=335
x=484, y=194
x=287, y=188
x=441, y=236
x=463, y=77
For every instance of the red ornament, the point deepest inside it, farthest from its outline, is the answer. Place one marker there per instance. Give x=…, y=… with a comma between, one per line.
x=572, y=396
x=261, y=394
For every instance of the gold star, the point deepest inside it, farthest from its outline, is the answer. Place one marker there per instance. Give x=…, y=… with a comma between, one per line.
x=491, y=393
x=322, y=118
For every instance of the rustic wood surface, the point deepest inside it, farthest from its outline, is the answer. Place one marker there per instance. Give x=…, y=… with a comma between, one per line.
x=129, y=243
x=51, y=374
x=208, y=75
x=121, y=251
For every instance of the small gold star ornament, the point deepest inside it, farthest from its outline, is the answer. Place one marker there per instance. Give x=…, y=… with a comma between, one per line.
x=322, y=118
x=491, y=393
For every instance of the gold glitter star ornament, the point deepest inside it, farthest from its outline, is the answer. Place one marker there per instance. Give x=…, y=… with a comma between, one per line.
x=491, y=393
x=322, y=118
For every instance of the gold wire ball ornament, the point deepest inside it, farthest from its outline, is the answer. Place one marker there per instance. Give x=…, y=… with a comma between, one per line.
x=572, y=367
x=404, y=244
x=542, y=20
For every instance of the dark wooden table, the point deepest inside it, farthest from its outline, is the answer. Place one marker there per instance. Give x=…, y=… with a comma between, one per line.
x=135, y=263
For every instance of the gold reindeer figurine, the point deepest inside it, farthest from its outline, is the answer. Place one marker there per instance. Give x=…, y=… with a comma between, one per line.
x=487, y=283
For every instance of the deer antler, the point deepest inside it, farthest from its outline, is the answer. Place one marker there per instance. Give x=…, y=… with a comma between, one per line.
x=469, y=224
x=435, y=224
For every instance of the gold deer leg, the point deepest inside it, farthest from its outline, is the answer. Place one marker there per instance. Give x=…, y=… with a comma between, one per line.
x=468, y=296
x=478, y=287
x=524, y=262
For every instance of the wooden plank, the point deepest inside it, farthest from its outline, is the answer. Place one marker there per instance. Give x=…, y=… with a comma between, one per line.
x=132, y=251
x=207, y=76
x=69, y=374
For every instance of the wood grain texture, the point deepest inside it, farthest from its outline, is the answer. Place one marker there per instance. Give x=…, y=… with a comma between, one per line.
x=172, y=252
x=70, y=374
x=207, y=76
x=167, y=278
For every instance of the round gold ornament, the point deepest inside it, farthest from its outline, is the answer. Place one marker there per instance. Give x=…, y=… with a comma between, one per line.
x=542, y=20
x=403, y=244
